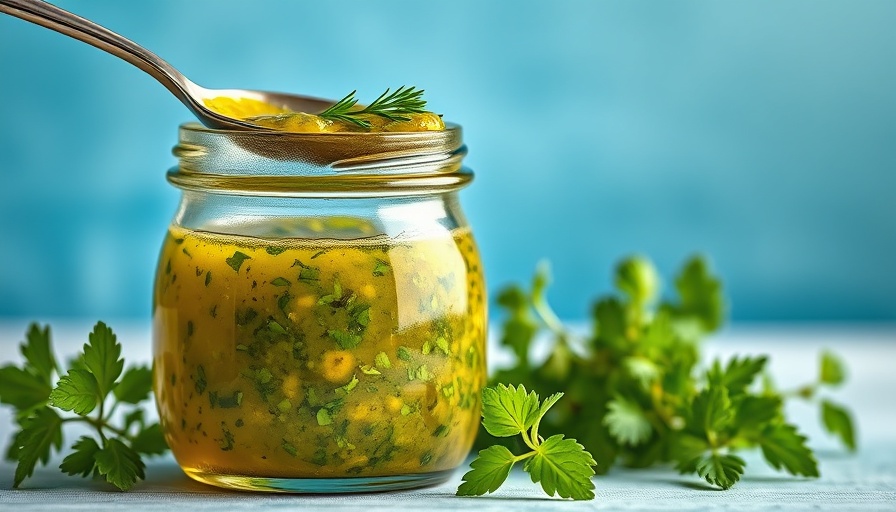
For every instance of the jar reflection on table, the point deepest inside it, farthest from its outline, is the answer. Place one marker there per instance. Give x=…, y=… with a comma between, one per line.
x=317, y=342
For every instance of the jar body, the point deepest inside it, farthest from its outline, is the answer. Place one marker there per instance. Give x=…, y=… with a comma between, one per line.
x=319, y=344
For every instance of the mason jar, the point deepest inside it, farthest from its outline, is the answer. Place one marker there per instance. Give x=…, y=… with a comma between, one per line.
x=319, y=315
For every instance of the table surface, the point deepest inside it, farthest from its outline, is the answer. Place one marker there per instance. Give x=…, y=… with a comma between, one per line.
x=862, y=481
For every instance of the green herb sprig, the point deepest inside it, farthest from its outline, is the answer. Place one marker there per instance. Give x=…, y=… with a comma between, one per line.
x=562, y=466
x=393, y=106
x=634, y=389
x=94, y=382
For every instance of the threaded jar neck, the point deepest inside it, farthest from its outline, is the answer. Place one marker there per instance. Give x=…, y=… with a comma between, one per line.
x=319, y=164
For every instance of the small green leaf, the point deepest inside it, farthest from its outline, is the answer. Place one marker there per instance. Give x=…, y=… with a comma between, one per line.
x=626, y=422
x=783, y=447
x=700, y=295
x=40, y=433
x=102, y=356
x=323, y=417
x=721, y=470
x=489, y=471
x=236, y=261
x=82, y=459
x=838, y=421
x=636, y=277
x=77, y=392
x=508, y=410
x=756, y=411
x=38, y=353
x=381, y=268
x=280, y=282
x=610, y=324
x=119, y=464
x=135, y=385
x=382, y=361
x=21, y=389
x=150, y=440
x=563, y=467
x=711, y=411
x=345, y=339
x=739, y=374
x=832, y=370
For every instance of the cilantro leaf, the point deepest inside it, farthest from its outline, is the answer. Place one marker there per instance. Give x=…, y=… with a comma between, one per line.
x=490, y=470
x=721, y=470
x=783, y=447
x=38, y=353
x=520, y=327
x=636, y=277
x=711, y=411
x=119, y=464
x=21, y=389
x=831, y=371
x=626, y=422
x=236, y=261
x=77, y=391
x=150, y=440
x=40, y=433
x=610, y=322
x=508, y=410
x=837, y=421
x=755, y=411
x=82, y=460
x=135, y=385
x=739, y=373
x=700, y=295
x=563, y=467
x=102, y=356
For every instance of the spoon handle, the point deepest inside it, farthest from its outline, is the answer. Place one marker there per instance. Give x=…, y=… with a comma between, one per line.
x=64, y=22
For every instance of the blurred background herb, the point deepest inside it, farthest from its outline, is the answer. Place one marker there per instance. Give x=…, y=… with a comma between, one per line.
x=637, y=391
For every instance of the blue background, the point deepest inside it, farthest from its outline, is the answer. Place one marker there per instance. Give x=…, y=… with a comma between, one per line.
x=761, y=133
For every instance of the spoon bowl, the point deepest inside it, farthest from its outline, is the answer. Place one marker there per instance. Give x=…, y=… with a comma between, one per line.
x=190, y=94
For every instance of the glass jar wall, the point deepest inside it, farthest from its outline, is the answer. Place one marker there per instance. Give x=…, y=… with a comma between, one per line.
x=319, y=311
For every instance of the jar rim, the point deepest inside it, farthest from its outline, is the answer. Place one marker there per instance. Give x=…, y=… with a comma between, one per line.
x=268, y=162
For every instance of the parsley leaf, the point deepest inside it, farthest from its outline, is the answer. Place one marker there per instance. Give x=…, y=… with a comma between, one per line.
x=150, y=440
x=508, y=410
x=22, y=389
x=721, y=470
x=236, y=261
x=83, y=459
x=84, y=390
x=783, y=447
x=102, y=356
x=562, y=466
x=831, y=372
x=120, y=464
x=38, y=353
x=626, y=422
x=490, y=470
x=40, y=433
x=838, y=421
x=135, y=385
x=77, y=392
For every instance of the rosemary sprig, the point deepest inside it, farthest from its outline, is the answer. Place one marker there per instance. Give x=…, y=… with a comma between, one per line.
x=392, y=106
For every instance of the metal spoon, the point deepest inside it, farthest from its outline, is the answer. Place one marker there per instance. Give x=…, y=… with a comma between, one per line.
x=190, y=94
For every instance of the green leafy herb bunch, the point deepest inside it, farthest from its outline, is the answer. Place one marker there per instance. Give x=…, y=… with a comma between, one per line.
x=636, y=392
x=98, y=392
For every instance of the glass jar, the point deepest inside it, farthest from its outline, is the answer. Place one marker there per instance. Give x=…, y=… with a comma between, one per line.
x=319, y=315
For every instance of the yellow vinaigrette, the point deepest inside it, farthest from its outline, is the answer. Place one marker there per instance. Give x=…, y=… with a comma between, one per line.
x=318, y=358
x=282, y=119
